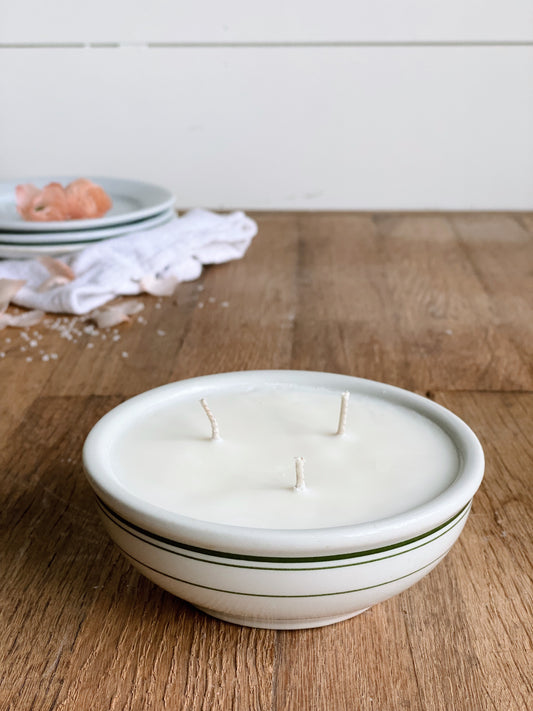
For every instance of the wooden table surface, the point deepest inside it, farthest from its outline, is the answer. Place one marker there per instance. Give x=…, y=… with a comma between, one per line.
x=433, y=303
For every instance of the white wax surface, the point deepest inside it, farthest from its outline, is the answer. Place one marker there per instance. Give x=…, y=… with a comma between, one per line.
x=390, y=460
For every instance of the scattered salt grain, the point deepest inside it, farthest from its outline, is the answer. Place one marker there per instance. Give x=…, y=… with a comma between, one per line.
x=200, y=287
x=225, y=304
x=53, y=356
x=33, y=343
x=211, y=299
x=160, y=332
x=158, y=305
x=116, y=337
x=90, y=345
x=2, y=354
x=29, y=359
x=23, y=349
x=200, y=304
x=45, y=357
x=125, y=354
x=8, y=340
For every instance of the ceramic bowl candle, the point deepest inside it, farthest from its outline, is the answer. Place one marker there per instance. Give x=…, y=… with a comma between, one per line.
x=283, y=499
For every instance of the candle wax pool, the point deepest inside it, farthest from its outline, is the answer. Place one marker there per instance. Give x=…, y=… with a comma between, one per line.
x=390, y=459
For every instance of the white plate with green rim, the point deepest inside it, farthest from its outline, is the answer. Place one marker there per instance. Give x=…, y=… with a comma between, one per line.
x=132, y=200
x=66, y=242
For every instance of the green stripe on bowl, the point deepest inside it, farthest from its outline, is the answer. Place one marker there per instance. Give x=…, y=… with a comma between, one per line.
x=150, y=542
x=277, y=559
x=245, y=594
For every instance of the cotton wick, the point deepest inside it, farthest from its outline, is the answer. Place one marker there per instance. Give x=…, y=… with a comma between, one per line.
x=215, y=434
x=300, y=481
x=343, y=413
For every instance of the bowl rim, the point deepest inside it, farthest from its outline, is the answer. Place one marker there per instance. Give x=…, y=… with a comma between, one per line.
x=285, y=542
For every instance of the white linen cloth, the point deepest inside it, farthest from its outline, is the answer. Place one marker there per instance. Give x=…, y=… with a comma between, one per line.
x=114, y=267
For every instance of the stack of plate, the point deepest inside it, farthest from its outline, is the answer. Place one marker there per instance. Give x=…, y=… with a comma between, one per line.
x=136, y=206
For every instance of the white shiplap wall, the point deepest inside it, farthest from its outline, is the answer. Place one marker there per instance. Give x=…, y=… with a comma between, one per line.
x=390, y=104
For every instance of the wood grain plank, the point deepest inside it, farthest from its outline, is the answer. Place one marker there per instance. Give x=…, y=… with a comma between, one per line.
x=108, y=361
x=254, y=329
x=354, y=293
x=526, y=220
x=74, y=611
x=358, y=664
x=486, y=591
x=460, y=638
x=457, y=337
x=343, y=323
x=398, y=302
x=394, y=299
x=500, y=251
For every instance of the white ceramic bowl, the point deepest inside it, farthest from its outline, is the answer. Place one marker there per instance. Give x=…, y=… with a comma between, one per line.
x=284, y=579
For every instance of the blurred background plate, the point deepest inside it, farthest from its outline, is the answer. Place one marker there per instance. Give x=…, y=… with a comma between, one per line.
x=82, y=236
x=15, y=251
x=10, y=250
x=132, y=200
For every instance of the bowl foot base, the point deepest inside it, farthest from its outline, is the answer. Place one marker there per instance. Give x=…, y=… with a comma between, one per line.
x=296, y=624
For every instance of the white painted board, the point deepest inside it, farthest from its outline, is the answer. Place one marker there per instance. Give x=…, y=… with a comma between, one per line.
x=280, y=128
x=281, y=21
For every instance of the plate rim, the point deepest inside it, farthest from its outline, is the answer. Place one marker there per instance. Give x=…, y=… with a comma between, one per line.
x=31, y=250
x=165, y=201
x=84, y=236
